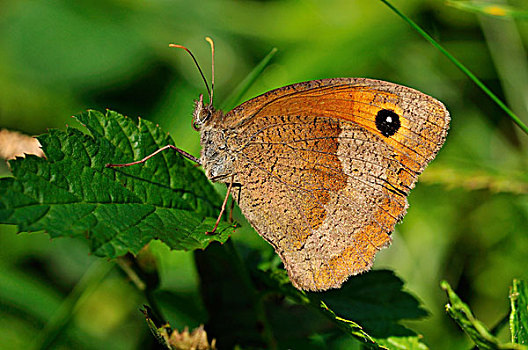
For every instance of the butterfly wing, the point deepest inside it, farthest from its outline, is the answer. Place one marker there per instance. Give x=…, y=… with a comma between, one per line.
x=325, y=168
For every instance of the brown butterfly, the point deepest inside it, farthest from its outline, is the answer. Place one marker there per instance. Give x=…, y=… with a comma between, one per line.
x=322, y=168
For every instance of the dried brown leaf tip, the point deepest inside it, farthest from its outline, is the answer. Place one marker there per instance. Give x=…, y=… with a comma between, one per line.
x=175, y=340
x=195, y=340
x=14, y=144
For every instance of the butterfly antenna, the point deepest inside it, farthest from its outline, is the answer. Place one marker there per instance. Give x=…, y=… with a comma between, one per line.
x=197, y=66
x=210, y=41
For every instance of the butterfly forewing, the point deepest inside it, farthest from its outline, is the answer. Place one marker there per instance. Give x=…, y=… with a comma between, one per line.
x=325, y=167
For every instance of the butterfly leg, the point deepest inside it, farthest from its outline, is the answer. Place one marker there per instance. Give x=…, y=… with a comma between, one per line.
x=232, y=207
x=180, y=151
x=213, y=231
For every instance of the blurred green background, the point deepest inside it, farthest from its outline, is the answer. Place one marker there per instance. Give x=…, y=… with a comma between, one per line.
x=468, y=214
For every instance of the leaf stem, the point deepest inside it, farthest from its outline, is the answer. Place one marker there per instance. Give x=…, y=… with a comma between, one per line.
x=463, y=68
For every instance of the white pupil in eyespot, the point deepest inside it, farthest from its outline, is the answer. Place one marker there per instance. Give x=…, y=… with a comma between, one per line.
x=389, y=119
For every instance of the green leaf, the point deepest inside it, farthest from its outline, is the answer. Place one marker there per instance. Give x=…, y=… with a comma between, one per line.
x=368, y=307
x=519, y=312
x=236, y=316
x=118, y=210
x=475, y=329
x=377, y=301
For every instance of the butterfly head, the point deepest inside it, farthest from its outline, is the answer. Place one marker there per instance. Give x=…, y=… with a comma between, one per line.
x=202, y=113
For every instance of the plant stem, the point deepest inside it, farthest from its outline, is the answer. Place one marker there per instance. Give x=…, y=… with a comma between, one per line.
x=143, y=283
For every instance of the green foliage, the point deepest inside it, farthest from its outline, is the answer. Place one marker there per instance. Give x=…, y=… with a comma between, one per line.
x=476, y=330
x=519, y=312
x=378, y=303
x=72, y=193
x=369, y=307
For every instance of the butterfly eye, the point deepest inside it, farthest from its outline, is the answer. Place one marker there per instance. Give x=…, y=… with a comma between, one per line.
x=201, y=114
x=387, y=122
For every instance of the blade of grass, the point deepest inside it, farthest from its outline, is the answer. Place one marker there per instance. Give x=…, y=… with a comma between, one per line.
x=508, y=54
x=460, y=66
x=88, y=283
x=234, y=98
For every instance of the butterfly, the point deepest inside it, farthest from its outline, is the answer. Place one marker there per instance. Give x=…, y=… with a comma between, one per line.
x=321, y=169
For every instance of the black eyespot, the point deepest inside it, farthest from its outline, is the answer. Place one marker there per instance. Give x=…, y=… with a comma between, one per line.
x=387, y=122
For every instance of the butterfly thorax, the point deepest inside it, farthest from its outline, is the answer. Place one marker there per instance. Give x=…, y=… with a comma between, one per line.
x=215, y=157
